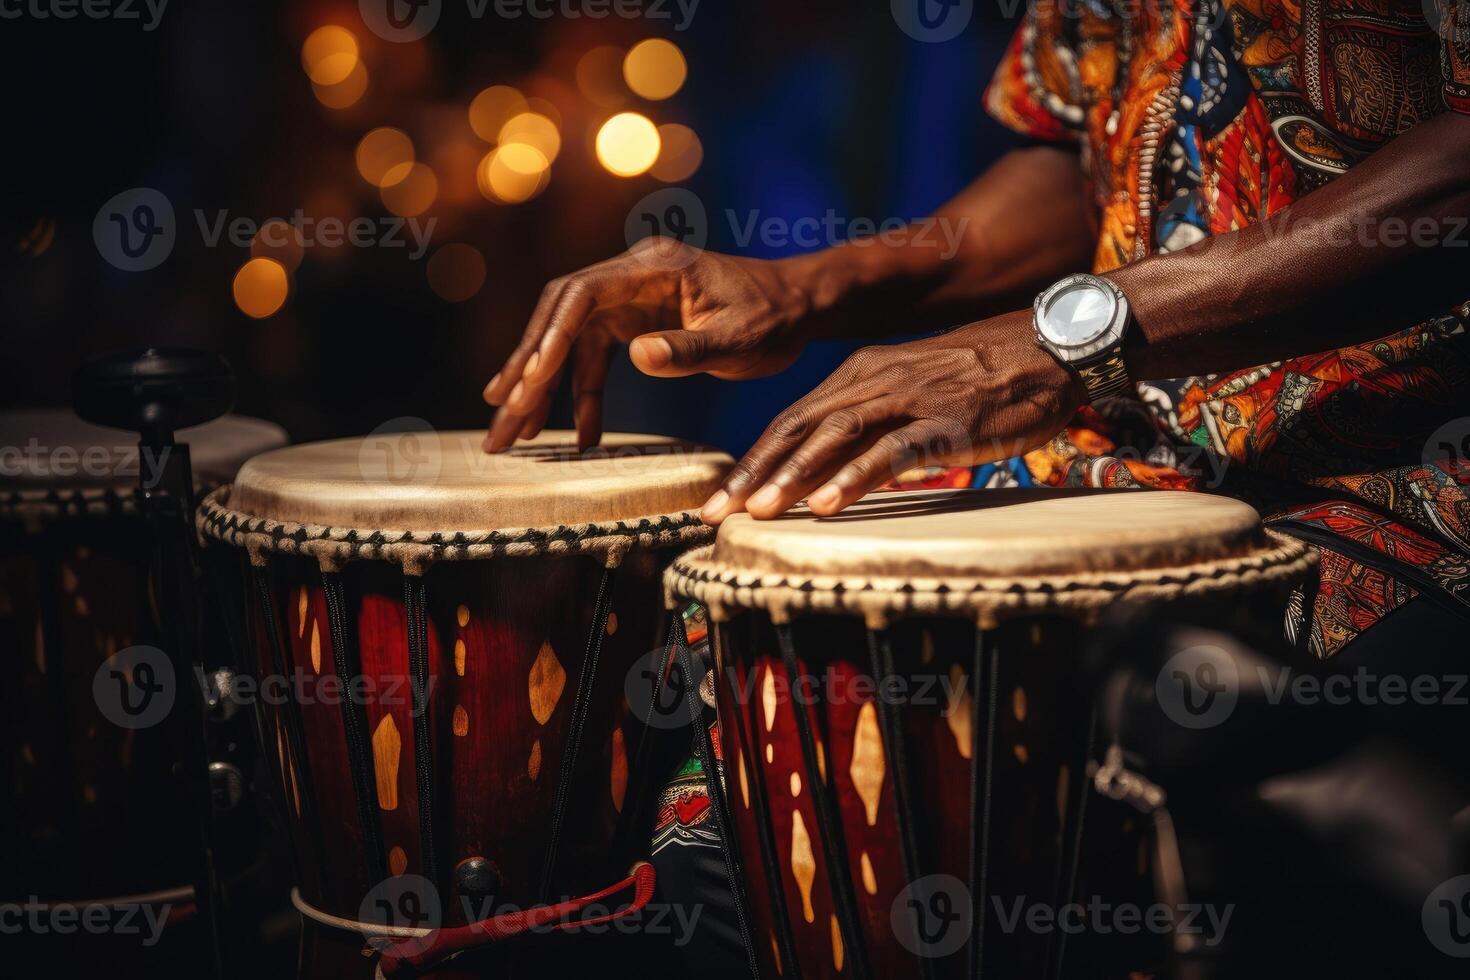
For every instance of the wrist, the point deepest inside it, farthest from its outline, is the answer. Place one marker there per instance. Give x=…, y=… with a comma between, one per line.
x=1037, y=369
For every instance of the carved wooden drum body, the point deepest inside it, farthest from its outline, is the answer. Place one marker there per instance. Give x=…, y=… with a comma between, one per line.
x=91, y=810
x=902, y=718
x=456, y=628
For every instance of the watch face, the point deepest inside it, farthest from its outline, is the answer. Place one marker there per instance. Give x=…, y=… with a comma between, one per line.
x=1077, y=314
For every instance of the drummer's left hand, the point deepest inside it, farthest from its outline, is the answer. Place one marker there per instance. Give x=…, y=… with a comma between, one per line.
x=982, y=392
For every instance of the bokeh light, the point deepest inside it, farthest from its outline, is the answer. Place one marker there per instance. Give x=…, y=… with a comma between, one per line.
x=329, y=55
x=260, y=287
x=492, y=108
x=456, y=272
x=411, y=193
x=680, y=153
x=655, y=68
x=600, y=76
x=384, y=156
x=532, y=129
x=513, y=173
x=277, y=239
x=627, y=144
x=346, y=92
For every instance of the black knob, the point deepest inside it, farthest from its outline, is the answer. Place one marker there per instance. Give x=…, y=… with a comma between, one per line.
x=477, y=878
x=154, y=391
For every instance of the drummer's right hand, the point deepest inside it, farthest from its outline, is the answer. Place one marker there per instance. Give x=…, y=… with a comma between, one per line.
x=681, y=310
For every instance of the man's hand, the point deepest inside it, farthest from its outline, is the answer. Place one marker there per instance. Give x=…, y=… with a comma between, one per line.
x=682, y=311
x=979, y=393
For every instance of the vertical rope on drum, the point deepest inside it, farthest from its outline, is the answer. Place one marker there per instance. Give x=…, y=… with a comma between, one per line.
x=354, y=726
x=895, y=746
x=415, y=599
x=785, y=941
x=718, y=798
x=833, y=841
x=1066, y=884
x=290, y=711
x=585, y=685
x=982, y=780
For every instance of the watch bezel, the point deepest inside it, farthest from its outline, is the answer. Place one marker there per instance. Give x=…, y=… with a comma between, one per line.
x=1108, y=337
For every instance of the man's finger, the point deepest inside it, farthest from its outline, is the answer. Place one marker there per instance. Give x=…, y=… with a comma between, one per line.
x=589, y=376
x=500, y=386
x=914, y=444
x=841, y=436
x=679, y=353
x=503, y=430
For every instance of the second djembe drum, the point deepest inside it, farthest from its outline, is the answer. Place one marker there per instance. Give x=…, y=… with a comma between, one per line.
x=904, y=720
x=455, y=630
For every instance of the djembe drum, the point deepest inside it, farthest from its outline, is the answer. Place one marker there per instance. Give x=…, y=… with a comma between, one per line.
x=486, y=608
x=92, y=816
x=903, y=719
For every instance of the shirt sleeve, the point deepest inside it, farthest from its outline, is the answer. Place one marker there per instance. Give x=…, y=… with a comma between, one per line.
x=1035, y=90
x=1454, y=31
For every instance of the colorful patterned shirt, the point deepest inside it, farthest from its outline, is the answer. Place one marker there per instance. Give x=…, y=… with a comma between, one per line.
x=1200, y=117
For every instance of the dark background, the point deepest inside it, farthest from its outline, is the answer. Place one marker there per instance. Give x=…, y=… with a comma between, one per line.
x=801, y=105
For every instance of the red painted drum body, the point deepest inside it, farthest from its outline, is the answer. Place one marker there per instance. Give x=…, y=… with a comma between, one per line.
x=455, y=628
x=91, y=811
x=904, y=727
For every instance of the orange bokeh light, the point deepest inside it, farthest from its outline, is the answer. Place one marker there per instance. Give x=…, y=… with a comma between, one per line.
x=383, y=156
x=627, y=144
x=260, y=287
x=329, y=55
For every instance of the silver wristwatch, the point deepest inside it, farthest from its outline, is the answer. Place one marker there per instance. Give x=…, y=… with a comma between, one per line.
x=1081, y=320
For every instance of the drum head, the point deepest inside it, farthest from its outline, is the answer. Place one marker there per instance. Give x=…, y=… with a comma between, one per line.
x=53, y=449
x=995, y=534
x=988, y=553
x=433, y=482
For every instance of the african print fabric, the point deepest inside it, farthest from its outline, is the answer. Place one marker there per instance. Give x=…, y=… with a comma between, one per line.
x=1200, y=117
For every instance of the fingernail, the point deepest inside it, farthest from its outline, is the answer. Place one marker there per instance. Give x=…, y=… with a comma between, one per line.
x=531, y=362
x=656, y=351
x=825, y=497
x=765, y=497
x=493, y=381
x=714, y=505
x=516, y=392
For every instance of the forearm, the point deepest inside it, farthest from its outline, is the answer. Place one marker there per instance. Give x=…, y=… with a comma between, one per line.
x=1382, y=247
x=1026, y=222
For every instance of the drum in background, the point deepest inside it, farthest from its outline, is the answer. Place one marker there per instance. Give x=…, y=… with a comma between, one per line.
x=906, y=727
x=486, y=610
x=90, y=812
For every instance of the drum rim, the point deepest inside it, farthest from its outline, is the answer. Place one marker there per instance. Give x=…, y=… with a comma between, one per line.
x=417, y=549
x=724, y=588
